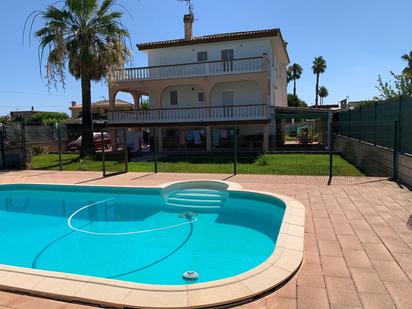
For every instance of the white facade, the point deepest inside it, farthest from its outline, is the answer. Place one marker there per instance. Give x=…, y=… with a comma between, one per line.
x=250, y=48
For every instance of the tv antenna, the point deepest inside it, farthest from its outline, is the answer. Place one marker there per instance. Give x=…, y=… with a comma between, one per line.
x=189, y=4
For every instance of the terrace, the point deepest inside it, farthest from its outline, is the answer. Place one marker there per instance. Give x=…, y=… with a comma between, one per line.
x=357, y=247
x=207, y=68
x=197, y=115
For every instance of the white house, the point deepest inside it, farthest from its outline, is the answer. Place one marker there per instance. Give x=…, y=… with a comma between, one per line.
x=206, y=85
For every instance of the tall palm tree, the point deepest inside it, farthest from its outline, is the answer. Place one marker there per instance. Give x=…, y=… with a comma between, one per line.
x=88, y=37
x=294, y=73
x=323, y=93
x=408, y=70
x=319, y=67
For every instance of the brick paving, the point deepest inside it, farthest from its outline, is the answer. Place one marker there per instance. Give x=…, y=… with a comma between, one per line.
x=358, y=251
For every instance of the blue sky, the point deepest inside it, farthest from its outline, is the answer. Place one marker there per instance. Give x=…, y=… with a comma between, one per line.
x=359, y=39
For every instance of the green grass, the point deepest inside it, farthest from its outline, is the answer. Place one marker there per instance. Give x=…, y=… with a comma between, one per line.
x=269, y=164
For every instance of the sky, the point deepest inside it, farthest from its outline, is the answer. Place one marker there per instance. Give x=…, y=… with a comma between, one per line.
x=360, y=39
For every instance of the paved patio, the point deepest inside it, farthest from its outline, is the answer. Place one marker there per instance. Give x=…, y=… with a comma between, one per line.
x=358, y=251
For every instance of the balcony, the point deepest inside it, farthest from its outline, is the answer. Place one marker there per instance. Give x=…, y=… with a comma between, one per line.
x=235, y=66
x=197, y=115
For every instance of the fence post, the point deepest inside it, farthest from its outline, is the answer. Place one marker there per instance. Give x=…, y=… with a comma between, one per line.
x=395, y=153
x=2, y=145
x=126, y=151
x=59, y=141
x=155, y=149
x=374, y=122
x=234, y=151
x=400, y=111
x=330, y=148
x=103, y=153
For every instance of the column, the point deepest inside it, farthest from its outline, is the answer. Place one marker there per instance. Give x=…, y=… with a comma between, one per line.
x=208, y=139
x=160, y=140
x=266, y=138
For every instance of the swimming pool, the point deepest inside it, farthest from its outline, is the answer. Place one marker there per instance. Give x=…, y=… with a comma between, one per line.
x=149, y=236
x=138, y=235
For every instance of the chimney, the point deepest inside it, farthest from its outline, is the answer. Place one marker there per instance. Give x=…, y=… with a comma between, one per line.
x=188, y=20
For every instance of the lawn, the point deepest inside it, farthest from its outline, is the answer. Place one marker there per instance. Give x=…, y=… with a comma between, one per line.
x=270, y=164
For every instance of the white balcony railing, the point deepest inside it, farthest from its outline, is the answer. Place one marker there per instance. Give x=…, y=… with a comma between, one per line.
x=243, y=65
x=191, y=115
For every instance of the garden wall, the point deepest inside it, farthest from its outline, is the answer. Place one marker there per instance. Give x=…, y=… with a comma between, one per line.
x=373, y=160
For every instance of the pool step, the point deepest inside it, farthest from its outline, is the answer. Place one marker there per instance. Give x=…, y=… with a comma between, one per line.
x=196, y=198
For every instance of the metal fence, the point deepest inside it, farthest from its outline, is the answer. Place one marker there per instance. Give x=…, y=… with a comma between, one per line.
x=302, y=146
x=365, y=122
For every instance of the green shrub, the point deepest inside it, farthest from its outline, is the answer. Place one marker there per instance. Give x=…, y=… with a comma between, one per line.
x=262, y=160
x=38, y=150
x=47, y=117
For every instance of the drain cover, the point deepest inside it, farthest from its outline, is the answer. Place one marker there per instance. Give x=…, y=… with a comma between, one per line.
x=190, y=275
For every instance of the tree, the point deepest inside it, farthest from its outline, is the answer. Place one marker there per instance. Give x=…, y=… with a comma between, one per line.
x=401, y=85
x=295, y=101
x=294, y=73
x=47, y=117
x=319, y=67
x=323, y=93
x=408, y=70
x=88, y=38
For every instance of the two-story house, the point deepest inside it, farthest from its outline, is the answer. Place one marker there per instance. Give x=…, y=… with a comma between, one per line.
x=199, y=88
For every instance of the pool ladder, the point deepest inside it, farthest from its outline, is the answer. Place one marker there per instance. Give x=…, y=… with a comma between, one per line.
x=196, y=198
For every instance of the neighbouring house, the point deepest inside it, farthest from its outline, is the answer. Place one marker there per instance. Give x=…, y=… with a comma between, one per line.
x=99, y=109
x=200, y=88
x=17, y=115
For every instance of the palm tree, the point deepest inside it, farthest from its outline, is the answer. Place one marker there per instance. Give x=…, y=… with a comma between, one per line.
x=318, y=67
x=88, y=37
x=294, y=73
x=408, y=70
x=323, y=93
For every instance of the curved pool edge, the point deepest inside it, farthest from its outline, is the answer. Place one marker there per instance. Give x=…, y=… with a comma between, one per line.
x=278, y=268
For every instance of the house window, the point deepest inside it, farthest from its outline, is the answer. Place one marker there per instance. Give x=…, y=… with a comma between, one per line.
x=227, y=54
x=173, y=97
x=201, y=97
x=227, y=57
x=202, y=56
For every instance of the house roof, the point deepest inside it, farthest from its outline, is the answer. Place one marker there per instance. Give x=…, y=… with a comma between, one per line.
x=222, y=37
x=102, y=103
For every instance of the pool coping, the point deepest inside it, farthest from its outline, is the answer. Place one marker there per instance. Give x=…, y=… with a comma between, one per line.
x=279, y=267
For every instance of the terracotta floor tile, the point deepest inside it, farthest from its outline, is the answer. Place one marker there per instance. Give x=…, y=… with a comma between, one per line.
x=334, y=266
x=377, y=252
x=281, y=303
x=343, y=229
x=28, y=302
x=376, y=301
x=288, y=290
x=325, y=234
x=349, y=242
x=6, y=298
x=310, y=275
x=342, y=291
x=367, y=280
x=389, y=271
x=356, y=258
x=401, y=294
x=310, y=298
x=259, y=304
x=329, y=247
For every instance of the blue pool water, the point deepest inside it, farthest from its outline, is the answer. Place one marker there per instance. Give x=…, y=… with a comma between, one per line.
x=140, y=235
